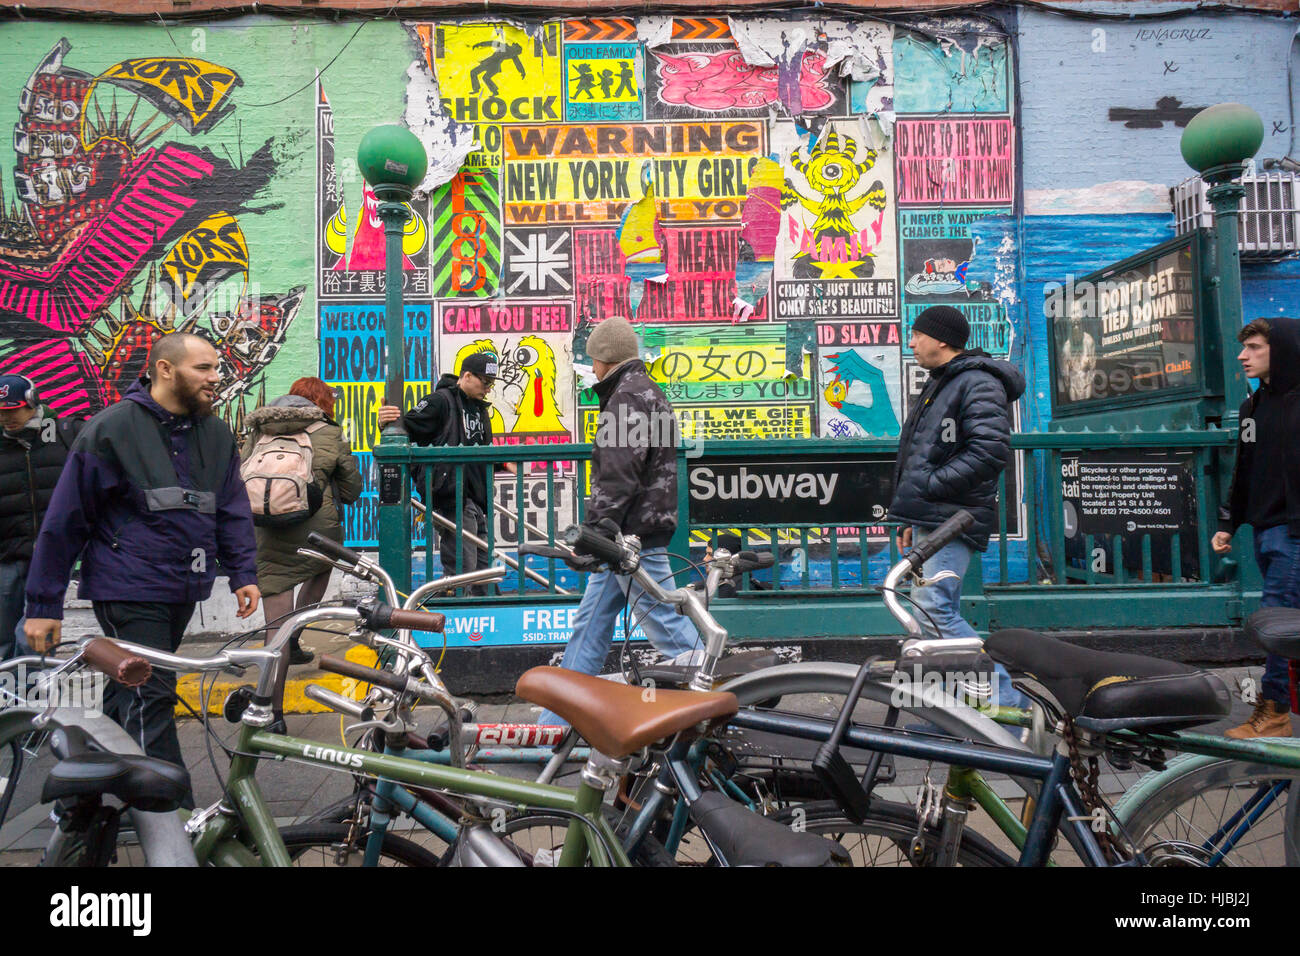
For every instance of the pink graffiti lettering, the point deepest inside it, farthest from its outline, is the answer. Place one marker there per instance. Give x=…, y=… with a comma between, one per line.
x=724, y=81
x=155, y=195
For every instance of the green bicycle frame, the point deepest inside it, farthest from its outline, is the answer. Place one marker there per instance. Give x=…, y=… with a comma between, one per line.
x=966, y=784
x=231, y=839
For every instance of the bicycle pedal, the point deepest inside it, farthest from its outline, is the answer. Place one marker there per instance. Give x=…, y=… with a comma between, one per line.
x=835, y=774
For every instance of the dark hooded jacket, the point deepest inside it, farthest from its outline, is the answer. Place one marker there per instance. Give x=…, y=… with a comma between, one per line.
x=1269, y=466
x=445, y=417
x=634, y=458
x=955, y=443
x=156, y=502
x=31, y=461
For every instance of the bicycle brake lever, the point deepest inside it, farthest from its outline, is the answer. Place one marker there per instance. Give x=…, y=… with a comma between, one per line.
x=394, y=726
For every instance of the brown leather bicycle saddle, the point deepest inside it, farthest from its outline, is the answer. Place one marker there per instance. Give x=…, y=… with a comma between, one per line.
x=617, y=719
x=1105, y=691
x=1277, y=630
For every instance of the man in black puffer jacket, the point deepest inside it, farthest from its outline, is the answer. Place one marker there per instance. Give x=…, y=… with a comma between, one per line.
x=954, y=445
x=34, y=445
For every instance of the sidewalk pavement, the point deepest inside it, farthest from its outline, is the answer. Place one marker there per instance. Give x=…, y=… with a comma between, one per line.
x=296, y=791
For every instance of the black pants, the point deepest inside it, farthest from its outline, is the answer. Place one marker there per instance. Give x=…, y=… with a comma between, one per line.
x=473, y=558
x=147, y=713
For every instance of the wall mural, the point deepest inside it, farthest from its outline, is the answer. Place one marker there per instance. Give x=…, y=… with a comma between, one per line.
x=119, y=233
x=769, y=201
x=753, y=202
x=772, y=201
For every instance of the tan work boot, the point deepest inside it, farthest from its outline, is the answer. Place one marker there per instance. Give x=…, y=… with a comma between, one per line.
x=1270, y=719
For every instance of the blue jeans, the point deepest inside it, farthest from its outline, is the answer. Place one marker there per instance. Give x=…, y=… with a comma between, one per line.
x=602, y=603
x=13, y=587
x=1278, y=555
x=941, y=601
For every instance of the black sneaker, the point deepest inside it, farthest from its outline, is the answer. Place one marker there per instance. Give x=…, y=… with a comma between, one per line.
x=297, y=655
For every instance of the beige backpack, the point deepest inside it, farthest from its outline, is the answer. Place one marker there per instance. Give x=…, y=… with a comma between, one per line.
x=279, y=479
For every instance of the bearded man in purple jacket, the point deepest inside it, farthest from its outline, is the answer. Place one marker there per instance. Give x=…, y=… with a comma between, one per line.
x=152, y=501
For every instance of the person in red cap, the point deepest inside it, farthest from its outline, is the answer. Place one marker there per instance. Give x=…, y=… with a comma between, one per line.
x=34, y=445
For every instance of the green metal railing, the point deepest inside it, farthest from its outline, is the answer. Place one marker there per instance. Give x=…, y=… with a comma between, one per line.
x=1033, y=577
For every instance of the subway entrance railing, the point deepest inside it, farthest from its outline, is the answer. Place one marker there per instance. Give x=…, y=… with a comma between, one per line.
x=1096, y=530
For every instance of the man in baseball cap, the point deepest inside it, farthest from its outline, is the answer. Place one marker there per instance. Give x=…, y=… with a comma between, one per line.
x=33, y=448
x=15, y=391
x=456, y=412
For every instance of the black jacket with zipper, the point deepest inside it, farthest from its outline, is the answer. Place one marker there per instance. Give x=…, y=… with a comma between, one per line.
x=30, y=464
x=954, y=445
x=447, y=417
x=634, y=458
x=1281, y=433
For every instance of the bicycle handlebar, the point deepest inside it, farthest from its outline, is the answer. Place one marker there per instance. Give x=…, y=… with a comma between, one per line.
x=129, y=670
x=940, y=536
x=382, y=616
x=386, y=679
x=360, y=672
x=333, y=548
x=584, y=539
x=747, y=561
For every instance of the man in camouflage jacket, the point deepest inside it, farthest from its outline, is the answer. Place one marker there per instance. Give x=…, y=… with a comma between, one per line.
x=633, y=488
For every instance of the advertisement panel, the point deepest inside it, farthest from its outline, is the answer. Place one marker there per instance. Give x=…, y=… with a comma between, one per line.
x=1130, y=494
x=593, y=173
x=1127, y=333
x=961, y=161
x=511, y=625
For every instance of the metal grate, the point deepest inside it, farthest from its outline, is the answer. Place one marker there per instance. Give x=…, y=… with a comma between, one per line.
x=1269, y=219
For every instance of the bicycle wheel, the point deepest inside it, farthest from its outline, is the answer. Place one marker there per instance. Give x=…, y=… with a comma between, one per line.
x=819, y=689
x=11, y=768
x=538, y=838
x=319, y=844
x=1211, y=811
x=885, y=836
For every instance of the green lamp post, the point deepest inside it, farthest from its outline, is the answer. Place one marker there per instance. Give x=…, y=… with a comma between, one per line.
x=1216, y=143
x=393, y=161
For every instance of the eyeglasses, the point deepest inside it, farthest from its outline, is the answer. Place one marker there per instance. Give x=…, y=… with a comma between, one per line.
x=487, y=380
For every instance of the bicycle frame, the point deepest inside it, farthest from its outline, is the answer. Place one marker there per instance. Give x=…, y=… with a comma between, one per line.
x=161, y=834
x=1058, y=797
x=218, y=839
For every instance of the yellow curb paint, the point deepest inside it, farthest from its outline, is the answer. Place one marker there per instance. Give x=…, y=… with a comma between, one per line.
x=295, y=696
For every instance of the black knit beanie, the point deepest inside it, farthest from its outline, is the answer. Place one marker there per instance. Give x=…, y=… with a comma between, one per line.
x=945, y=323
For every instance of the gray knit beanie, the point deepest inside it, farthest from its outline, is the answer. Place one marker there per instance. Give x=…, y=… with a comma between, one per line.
x=613, y=341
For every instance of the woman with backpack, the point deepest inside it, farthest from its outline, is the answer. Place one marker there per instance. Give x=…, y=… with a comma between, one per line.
x=298, y=469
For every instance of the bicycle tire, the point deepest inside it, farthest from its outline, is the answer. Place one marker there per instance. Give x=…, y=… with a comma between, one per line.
x=314, y=844
x=11, y=769
x=1173, y=814
x=894, y=825
x=547, y=832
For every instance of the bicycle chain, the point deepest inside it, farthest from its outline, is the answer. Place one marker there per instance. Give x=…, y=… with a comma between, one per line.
x=1089, y=791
